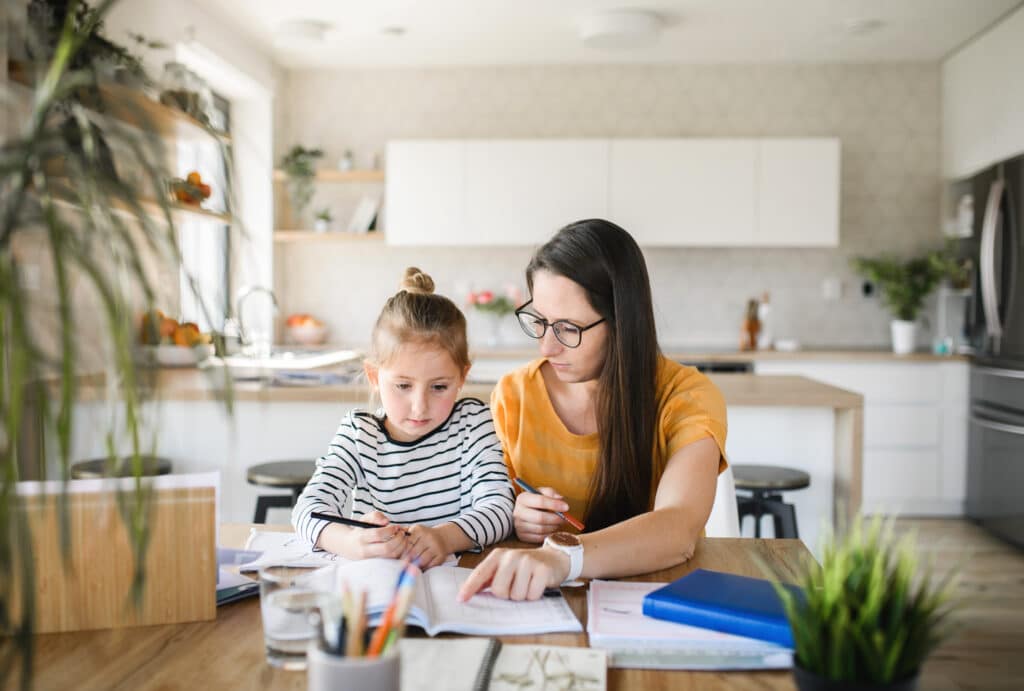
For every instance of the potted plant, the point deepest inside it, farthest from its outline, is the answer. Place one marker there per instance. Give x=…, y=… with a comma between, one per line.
x=99, y=237
x=867, y=617
x=322, y=221
x=299, y=165
x=904, y=284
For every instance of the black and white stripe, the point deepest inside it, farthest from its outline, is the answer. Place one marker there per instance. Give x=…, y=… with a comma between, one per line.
x=454, y=474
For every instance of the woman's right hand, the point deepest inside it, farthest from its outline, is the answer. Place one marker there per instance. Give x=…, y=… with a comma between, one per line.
x=534, y=516
x=388, y=541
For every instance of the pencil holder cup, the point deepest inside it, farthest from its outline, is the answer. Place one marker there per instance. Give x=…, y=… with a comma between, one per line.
x=327, y=672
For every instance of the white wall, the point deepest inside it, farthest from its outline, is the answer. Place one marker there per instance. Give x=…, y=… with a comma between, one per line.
x=886, y=115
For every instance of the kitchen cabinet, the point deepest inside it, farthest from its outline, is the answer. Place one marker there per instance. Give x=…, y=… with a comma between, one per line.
x=519, y=192
x=915, y=430
x=425, y=192
x=684, y=192
x=797, y=193
x=983, y=100
x=666, y=192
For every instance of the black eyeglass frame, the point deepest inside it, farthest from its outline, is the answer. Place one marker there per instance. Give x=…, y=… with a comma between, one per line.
x=547, y=324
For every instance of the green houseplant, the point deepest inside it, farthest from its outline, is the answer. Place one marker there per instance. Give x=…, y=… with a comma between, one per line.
x=905, y=284
x=869, y=617
x=299, y=164
x=95, y=238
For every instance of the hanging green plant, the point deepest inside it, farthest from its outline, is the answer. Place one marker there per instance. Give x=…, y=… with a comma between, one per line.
x=299, y=164
x=96, y=237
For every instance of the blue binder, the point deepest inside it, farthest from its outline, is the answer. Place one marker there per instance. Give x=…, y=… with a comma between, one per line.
x=724, y=602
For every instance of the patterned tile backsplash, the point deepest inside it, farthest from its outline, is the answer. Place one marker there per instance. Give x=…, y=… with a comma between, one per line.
x=886, y=115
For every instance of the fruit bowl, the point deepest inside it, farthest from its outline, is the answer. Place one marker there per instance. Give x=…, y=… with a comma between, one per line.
x=175, y=355
x=306, y=334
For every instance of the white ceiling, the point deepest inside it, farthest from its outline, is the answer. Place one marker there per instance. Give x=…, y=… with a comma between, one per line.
x=494, y=32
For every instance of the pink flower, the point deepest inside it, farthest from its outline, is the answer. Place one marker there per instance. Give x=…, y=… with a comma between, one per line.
x=484, y=297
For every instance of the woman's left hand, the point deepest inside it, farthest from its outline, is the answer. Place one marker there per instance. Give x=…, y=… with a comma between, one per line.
x=517, y=574
x=427, y=545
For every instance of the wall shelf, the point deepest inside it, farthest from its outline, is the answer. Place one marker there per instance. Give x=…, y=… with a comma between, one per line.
x=328, y=236
x=334, y=175
x=133, y=107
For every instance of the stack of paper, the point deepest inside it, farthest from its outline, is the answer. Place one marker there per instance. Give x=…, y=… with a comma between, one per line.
x=616, y=623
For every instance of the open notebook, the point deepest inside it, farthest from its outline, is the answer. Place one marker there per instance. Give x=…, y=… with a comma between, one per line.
x=434, y=606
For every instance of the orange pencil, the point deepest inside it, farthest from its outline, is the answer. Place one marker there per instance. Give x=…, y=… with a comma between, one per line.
x=568, y=517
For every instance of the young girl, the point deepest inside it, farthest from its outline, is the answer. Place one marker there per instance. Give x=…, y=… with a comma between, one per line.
x=428, y=468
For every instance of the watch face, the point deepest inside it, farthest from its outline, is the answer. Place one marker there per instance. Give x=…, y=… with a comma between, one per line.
x=565, y=539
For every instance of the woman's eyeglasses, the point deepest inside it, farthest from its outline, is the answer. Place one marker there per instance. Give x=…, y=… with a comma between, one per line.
x=567, y=333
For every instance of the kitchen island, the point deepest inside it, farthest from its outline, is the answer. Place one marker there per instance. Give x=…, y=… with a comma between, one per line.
x=779, y=420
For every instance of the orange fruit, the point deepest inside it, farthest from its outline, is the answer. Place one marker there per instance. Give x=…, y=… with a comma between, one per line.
x=194, y=179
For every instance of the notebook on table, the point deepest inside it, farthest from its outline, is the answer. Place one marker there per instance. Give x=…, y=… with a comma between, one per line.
x=616, y=623
x=724, y=602
x=471, y=664
x=434, y=606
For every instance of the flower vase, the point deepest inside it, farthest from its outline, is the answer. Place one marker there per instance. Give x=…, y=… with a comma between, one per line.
x=494, y=332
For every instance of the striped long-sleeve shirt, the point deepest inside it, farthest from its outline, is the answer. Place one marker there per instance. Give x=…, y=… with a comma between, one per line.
x=455, y=473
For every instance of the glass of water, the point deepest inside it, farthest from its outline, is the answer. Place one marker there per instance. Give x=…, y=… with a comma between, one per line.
x=287, y=597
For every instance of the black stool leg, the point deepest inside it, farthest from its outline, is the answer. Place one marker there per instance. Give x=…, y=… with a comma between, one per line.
x=783, y=516
x=271, y=501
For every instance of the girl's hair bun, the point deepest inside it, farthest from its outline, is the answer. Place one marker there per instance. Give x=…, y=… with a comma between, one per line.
x=417, y=282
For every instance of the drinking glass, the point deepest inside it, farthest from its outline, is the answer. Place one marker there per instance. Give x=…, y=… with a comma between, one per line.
x=287, y=597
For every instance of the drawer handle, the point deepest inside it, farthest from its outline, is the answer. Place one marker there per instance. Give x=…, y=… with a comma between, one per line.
x=1001, y=372
x=998, y=426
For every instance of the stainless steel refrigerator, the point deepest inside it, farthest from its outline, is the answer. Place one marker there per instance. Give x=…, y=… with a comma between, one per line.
x=994, y=326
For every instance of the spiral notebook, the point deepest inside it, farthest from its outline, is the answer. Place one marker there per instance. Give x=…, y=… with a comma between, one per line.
x=477, y=664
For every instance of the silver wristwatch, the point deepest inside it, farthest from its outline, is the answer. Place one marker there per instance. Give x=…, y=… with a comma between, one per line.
x=571, y=545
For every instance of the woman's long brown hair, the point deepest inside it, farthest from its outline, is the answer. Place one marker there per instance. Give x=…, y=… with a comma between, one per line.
x=607, y=263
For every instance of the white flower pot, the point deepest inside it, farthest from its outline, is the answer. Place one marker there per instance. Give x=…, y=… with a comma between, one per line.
x=903, y=333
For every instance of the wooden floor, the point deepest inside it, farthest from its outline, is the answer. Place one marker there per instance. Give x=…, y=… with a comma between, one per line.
x=987, y=650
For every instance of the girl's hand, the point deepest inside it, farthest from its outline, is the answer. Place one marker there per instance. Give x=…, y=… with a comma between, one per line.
x=427, y=545
x=517, y=574
x=534, y=516
x=364, y=543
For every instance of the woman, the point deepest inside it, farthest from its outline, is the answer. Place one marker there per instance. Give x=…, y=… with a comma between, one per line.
x=633, y=441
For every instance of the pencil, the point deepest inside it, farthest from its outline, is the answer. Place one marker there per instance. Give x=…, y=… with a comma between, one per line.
x=347, y=521
x=567, y=517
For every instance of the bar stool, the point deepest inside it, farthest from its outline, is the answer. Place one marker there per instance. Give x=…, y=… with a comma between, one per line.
x=100, y=467
x=291, y=475
x=766, y=484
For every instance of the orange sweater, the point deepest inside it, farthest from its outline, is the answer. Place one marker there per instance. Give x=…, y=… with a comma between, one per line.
x=539, y=448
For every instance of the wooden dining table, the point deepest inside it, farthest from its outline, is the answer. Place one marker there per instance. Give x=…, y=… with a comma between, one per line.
x=228, y=653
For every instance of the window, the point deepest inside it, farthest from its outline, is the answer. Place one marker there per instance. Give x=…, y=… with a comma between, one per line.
x=206, y=243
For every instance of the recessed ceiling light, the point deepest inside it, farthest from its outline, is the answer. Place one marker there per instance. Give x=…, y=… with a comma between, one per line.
x=300, y=32
x=620, y=29
x=393, y=31
x=859, y=26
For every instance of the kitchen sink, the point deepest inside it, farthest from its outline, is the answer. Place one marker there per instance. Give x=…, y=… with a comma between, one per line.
x=284, y=358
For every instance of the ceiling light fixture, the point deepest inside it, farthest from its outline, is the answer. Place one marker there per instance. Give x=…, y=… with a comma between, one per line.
x=621, y=29
x=860, y=26
x=300, y=32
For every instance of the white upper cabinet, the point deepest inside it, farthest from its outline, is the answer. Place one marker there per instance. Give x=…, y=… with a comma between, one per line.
x=666, y=192
x=983, y=100
x=797, y=193
x=684, y=192
x=519, y=192
x=425, y=182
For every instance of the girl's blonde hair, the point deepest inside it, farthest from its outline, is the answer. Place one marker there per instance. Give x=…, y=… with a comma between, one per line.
x=416, y=314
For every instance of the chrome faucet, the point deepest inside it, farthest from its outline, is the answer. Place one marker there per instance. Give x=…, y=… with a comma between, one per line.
x=243, y=294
